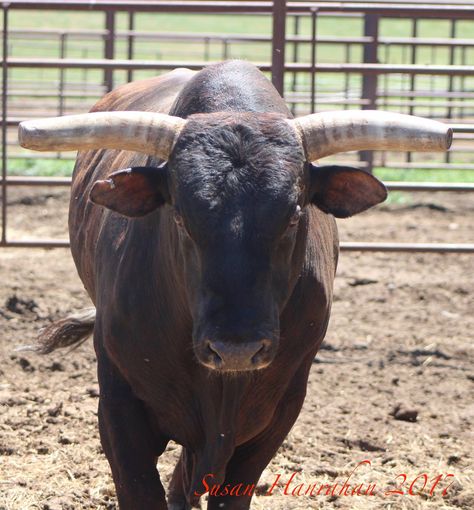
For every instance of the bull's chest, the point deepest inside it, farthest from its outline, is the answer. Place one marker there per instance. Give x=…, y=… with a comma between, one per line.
x=189, y=403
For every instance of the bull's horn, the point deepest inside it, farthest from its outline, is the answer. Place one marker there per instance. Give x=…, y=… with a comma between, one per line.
x=150, y=133
x=328, y=133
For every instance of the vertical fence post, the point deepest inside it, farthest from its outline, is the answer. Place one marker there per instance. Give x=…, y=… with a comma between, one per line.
x=131, y=40
x=433, y=53
x=4, y=122
x=278, y=45
x=225, y=49
x=314, y=24
x=347, y=78
x=294, y=83
x=414, y=34
x=207, y=42
x=411, y=99
x=62, y=71
x=452, y=56
x=386, y=93
x=369, y=80
x=109, y=49
x=462, y=79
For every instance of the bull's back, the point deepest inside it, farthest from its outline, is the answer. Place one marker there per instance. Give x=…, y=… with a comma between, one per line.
x=231, y=86
x=86, y=219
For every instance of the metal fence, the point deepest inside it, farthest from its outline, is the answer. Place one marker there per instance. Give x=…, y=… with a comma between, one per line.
x=311, y=63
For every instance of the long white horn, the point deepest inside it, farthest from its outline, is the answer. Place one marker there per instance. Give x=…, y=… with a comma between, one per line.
x=150, y=133
x=328, y=133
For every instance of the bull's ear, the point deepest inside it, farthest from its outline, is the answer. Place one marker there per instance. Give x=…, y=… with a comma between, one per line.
x=134, y=191
x=344, y=191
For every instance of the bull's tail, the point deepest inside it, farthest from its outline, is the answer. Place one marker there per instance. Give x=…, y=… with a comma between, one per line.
x=71, y=331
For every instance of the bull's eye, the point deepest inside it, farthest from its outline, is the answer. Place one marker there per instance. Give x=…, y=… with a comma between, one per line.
x=180, y=222
x=178, y=219
x=294, y=220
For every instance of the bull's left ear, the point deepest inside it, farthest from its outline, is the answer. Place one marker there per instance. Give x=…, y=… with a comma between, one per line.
x=134, y=191
x=344, y=191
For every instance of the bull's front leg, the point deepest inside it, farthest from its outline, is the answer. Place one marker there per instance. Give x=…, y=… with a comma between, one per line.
x=129, y=443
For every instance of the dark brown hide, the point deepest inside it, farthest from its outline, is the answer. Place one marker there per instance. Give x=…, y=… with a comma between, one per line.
x=132, y=192
x=152, y=387
x=344, y=191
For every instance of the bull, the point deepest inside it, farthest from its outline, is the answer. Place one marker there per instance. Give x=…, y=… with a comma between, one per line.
x=206, y=239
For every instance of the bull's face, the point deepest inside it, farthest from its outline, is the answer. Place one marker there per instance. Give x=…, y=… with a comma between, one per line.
x=238, y=196
x=239, y=185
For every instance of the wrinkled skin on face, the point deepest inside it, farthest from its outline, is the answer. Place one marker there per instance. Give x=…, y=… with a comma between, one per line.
x=238, y=190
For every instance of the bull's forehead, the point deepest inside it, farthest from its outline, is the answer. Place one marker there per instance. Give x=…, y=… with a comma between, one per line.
x=237, y=168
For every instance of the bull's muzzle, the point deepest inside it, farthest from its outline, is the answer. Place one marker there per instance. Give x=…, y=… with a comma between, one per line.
x=232, y=356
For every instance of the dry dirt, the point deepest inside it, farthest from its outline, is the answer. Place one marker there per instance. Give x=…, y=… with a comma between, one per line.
x=400, y=338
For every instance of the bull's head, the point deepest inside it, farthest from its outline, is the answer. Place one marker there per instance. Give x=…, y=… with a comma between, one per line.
x=238, y=185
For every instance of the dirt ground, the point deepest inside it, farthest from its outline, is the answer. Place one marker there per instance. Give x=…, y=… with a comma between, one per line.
x=393, y=384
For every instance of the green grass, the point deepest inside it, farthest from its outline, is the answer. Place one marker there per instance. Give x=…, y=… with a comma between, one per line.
x=222, y=24
x=424, y=175
x=162, y=22
x=243, y=24
x=41, y=167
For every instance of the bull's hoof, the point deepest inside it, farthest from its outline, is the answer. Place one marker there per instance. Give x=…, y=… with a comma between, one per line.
x=179, y=506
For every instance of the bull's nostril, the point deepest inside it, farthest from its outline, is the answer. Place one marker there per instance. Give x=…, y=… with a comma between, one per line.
x=213, y=355
x=261, y=354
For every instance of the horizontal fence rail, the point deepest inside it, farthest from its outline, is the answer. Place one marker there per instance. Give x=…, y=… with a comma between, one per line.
x=372, y=70
x=427, y=9
x=390, y=185
x=344, y=246
x=160, y=65
x=409, y=247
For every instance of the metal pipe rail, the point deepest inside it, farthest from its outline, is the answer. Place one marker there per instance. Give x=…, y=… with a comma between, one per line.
x=252, y=7
x=391, y=185
x=192, y=6
x=52, y=34
x=429, y=186
x=409, y=247
x=412, y=69
x=344, y=246
x=124, y=64
x=359, y=164
x=390, y=9
x=246, y=6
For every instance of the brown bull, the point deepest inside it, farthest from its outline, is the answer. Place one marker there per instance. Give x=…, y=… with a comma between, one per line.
x=210, y=265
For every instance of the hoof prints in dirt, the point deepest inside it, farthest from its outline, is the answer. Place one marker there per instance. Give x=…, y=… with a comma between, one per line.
x=19, y=306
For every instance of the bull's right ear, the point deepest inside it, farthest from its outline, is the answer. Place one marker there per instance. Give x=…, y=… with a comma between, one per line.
x=134, y=191
x=344, y=191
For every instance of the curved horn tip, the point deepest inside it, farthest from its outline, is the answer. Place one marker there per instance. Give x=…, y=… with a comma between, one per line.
x=449, y=138
x=23, y=134
x=31, y=136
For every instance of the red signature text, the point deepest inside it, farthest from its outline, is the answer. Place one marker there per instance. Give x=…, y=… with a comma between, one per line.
x=293, y=486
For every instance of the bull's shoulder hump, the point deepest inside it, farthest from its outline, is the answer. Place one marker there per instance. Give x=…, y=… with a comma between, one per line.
x=150, y=94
